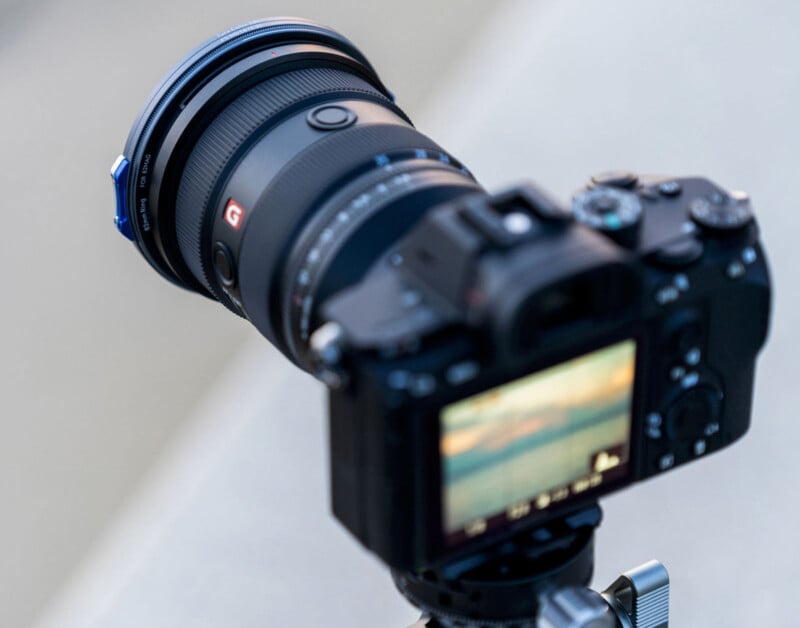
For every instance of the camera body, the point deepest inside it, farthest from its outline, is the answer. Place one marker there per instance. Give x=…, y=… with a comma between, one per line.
x=508, y=362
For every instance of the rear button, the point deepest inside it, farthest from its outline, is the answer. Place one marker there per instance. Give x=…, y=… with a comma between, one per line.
x=679, y=254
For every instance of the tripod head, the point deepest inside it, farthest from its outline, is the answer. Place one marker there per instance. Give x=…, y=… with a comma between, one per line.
x=538, y=580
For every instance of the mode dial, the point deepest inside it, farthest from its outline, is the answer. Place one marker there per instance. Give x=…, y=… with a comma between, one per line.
x=611, y=210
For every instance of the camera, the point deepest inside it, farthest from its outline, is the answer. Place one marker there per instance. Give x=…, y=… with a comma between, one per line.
x=496, y=362
x=507, y=362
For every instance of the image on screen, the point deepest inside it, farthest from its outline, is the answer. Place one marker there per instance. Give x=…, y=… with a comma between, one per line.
x=529, y=445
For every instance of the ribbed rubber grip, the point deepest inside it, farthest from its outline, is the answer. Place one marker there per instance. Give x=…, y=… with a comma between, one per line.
x=241, y=122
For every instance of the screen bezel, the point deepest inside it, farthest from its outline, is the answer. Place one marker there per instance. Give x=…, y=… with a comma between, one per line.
x=429, y=464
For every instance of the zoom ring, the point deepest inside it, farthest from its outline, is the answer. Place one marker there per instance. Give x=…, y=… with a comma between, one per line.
x=242, y=122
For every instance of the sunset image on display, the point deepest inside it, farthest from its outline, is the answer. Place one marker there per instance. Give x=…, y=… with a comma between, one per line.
x=538, y=440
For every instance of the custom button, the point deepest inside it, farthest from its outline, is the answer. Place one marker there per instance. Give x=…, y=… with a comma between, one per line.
x=749, y=255
x=669, y=188
x=224, y=265
x=676, y=373
x=681, y=282
x=692, y=357
x=679, y=254
x=653, y=429
x=735, y=270
x=666, y=461
x=422, y=385
x=461, y=372
x=653, y=432
x=331, y=117
x=654, y=419
x=690, y=379
x=667, y=294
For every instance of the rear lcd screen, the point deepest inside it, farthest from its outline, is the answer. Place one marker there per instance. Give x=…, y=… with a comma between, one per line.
x=537, y=442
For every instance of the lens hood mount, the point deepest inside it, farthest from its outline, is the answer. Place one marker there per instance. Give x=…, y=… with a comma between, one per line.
x=191, y=94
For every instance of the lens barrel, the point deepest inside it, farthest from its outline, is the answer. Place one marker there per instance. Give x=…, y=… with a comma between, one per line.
x=271, y=169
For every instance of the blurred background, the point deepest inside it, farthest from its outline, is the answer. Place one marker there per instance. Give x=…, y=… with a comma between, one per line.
x=161, y=465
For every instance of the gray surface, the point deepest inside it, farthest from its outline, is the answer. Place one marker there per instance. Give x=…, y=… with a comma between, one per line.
x=100, y=360
x=687, y=88
x=254, y=544
x=556, y=91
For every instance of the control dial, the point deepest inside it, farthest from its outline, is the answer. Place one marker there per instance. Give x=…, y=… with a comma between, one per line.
x=611, y=210
x=722, y=213
x=692, y=412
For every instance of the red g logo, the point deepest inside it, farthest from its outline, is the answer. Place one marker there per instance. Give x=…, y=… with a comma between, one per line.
x=234, y=214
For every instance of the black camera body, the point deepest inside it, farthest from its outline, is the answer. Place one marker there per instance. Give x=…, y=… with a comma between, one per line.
x=654, y=292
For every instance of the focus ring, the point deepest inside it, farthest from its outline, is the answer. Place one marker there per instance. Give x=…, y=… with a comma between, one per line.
x=240, y=122
x=288, y=200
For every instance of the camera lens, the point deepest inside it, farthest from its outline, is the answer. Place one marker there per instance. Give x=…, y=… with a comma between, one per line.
x=271, y=169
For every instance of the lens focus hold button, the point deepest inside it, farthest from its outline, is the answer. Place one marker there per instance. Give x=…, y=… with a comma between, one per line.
x=331, y=117
x=224, y=265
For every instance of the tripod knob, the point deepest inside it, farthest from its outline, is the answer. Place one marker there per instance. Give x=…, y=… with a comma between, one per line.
x=576, y=607
x=641, y=596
